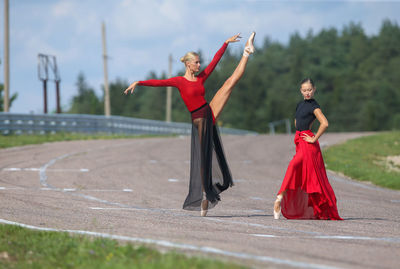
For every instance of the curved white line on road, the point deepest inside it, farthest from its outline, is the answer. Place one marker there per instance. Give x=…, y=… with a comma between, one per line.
x=349, y=237
x=339, y=237
x=266, y=235
x=169, y=244
x=42, y=172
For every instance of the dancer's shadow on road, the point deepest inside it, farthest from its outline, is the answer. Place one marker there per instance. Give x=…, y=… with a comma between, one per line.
x=365, y=219
x=269, y=216
x=240, y=216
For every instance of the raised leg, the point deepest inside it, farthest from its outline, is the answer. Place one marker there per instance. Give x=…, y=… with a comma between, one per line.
x=221, y=97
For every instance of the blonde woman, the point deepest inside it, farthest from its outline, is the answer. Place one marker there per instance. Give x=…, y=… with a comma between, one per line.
x=209, y=171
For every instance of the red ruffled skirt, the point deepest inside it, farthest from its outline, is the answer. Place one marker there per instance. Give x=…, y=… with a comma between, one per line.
x=308, y=192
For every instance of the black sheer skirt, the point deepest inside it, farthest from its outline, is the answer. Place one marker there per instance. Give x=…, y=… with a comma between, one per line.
x=209, y=171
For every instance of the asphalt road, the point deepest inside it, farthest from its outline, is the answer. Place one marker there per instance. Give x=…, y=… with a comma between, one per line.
x=133, y=190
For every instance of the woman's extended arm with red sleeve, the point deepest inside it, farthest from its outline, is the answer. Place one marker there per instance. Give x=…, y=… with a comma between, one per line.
x=173, y=82
x=208, y=70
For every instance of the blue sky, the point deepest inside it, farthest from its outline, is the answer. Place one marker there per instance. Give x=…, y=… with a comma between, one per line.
x=142, y=33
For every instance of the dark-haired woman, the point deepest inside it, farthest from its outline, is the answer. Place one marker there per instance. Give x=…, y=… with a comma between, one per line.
x=305, y=192
x=209, y=171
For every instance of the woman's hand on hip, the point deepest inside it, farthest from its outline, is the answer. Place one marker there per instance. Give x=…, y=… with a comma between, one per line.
x=307, y=138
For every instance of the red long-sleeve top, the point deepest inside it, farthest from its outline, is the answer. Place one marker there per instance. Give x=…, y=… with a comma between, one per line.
x=192, y=92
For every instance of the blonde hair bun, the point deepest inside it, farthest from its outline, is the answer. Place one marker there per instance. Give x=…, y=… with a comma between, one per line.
x=189, y=56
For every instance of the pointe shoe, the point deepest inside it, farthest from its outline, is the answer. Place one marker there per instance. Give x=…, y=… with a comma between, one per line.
x=249, y=47
x=204, y=208
x=277, y=207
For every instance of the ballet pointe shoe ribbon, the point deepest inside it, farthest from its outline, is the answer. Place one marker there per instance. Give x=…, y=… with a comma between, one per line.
x=249, y=47
x=277, y=206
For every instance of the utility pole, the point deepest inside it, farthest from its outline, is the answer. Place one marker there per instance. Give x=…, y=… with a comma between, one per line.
x=107, y=108
x=43, y=74
x=44, y=62
x=58, y=96
x=169, y=91
x=6, y=58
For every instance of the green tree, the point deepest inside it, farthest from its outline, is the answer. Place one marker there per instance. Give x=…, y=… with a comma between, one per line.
x=11, y=100
x=86, y=102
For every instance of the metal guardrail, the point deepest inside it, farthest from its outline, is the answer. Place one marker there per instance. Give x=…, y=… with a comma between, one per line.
x=273, y=124
x=11, y=123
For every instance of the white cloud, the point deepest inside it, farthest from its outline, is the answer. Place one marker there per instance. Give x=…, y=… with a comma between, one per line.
x=147, y=19
x=63, y=9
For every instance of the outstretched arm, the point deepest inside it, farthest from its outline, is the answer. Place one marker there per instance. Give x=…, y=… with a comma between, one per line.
x=323, y=125
x=131, y=87
x=153, y=83
x=208, y=70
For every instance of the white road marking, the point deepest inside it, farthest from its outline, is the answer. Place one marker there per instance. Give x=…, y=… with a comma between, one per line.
x=14, y=169
x=65, y=189
x=349, y=237
x=173, y=180
x=117, y=208
x=265, y=235
x=339, y=237
x=165, y=243
x=257, y=211
x=105, y=190
x=256, y=198
x=11, y=188
x=11, y=169
x=127, y=190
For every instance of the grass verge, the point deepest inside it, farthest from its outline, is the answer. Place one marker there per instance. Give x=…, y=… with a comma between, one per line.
x=370, y=158
x=21, y=140
x=24, y=248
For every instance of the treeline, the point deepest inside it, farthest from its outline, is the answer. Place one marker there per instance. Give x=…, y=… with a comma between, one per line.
x=357, y=78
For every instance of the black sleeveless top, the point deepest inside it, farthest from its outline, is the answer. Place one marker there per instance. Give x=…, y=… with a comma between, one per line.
x=305, y=114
